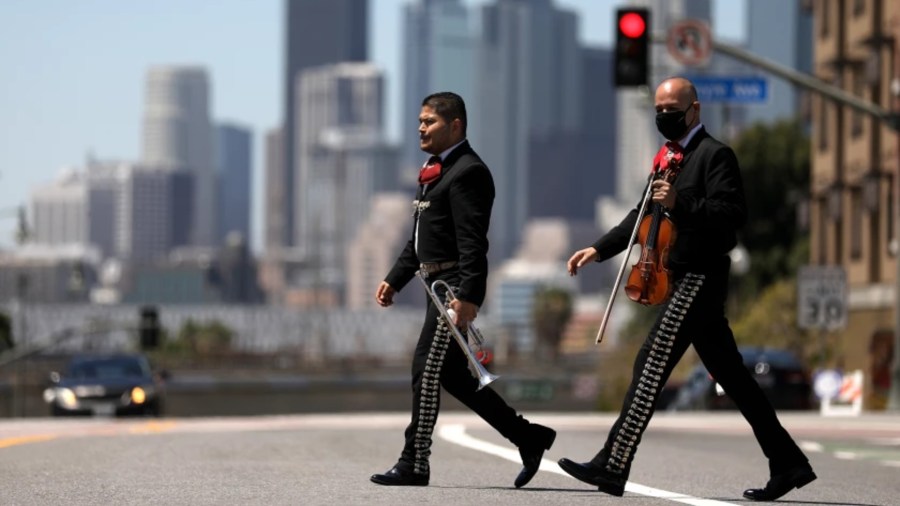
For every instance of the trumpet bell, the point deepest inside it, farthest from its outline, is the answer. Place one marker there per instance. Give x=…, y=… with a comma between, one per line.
x=475, y=366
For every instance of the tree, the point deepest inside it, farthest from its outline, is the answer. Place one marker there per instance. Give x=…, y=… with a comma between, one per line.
x=772, y=321
x=551, y=311
x=774, y=162
x=200, y=339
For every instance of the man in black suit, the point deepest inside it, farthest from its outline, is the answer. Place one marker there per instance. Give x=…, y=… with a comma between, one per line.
x=449, y=242
x=706, y=204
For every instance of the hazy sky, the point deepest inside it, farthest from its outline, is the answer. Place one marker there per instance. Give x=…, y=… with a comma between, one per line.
x=73, y=74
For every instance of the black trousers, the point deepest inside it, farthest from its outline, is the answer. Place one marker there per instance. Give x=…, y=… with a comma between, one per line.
x=695, y=315
x=439, y=361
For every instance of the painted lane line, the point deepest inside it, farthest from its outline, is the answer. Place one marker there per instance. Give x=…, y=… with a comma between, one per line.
x=846, y=455
x=456, y=434
x=13, y=441
x=153, y=427
x=811, y=446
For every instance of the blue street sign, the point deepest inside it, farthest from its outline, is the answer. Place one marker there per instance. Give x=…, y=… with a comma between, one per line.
x=734, y=89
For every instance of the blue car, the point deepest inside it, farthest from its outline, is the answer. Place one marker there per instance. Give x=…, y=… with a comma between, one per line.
x=780, y=374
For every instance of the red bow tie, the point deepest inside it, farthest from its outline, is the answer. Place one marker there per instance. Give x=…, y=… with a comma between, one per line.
x=431, y=170
x=670, y=153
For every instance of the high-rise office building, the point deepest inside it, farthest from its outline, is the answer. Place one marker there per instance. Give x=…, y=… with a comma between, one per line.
x=317, y=32
x=340, y=119
x=375, y=246
x=274, y=217
x=177, y=134
x=59, y=211
x=528, y=87
x=144, y=225
x=437, y=56
x=103, y=188
x=586, y=155
x=233, y=162
x=792, y=21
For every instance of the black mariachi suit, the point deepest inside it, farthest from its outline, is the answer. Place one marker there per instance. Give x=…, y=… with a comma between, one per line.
x=709, y=208
x=452, y=214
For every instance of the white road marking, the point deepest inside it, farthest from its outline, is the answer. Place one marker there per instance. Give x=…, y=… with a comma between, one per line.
x=811, y=446
x=456, y=434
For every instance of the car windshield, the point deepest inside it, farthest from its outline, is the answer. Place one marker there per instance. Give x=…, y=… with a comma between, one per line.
x=108, y=368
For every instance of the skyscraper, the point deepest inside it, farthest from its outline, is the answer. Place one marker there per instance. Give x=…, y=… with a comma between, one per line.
x=586, y=155
x=792, y=48
x=233, y=161
x=59, y=211
x=177, y=135
x=318, y=32
x=437, y=56
x=528, y=87
x=340, y=119
x=275, y=191
x=145, y=213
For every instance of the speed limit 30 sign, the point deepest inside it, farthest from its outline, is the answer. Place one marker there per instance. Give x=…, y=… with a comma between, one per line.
x=822, y=297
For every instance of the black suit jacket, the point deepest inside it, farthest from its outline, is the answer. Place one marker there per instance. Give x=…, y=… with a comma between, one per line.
x=453, y=215
x=710, y=207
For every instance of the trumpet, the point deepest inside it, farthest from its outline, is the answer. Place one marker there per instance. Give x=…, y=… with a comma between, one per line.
x=475, y=367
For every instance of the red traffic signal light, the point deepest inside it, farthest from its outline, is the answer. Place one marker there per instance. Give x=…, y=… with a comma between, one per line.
x=632, y=25
x=631, y=64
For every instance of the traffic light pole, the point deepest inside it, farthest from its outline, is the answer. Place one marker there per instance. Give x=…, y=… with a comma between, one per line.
x=891, y=119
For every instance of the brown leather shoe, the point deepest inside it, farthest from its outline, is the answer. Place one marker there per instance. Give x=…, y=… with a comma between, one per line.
x=782, y=483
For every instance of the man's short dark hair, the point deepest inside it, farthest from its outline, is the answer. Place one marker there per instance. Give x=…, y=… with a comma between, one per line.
x=449, y=106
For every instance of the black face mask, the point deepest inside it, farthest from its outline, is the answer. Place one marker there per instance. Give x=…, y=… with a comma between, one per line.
x=671, y=124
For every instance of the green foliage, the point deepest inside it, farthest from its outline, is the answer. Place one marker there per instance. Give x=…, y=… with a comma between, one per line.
x=775, y=167
x=550, y=312
x=200, y=339
x=772, y=322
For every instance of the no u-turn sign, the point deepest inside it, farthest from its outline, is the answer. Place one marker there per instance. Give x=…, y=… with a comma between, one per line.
x=689, y=41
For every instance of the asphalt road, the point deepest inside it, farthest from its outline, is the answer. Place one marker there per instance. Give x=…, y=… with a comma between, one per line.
x=699, y=459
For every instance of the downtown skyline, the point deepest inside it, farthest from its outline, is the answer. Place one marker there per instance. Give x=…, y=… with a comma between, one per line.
x=77, y=90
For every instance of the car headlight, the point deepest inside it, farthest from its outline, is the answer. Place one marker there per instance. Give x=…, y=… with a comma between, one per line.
x=66, y=398
x=139, y=395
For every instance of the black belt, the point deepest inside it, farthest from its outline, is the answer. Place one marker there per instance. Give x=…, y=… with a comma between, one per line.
x=436, y=267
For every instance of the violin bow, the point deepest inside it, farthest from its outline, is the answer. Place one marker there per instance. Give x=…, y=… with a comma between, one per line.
x=615, y=290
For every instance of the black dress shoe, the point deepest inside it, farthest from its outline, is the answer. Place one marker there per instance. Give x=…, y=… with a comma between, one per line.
x=595, y=475
x=541, y=439
x=398, y=477
x=782, y=483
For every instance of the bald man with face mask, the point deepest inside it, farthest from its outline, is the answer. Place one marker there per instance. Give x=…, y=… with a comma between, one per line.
x=707, y=206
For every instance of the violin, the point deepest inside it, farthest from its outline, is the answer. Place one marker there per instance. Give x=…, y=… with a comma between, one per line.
x=648, y=283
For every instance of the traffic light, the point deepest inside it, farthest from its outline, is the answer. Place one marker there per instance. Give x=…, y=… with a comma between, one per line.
x=632, y=58
x=149, y=328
